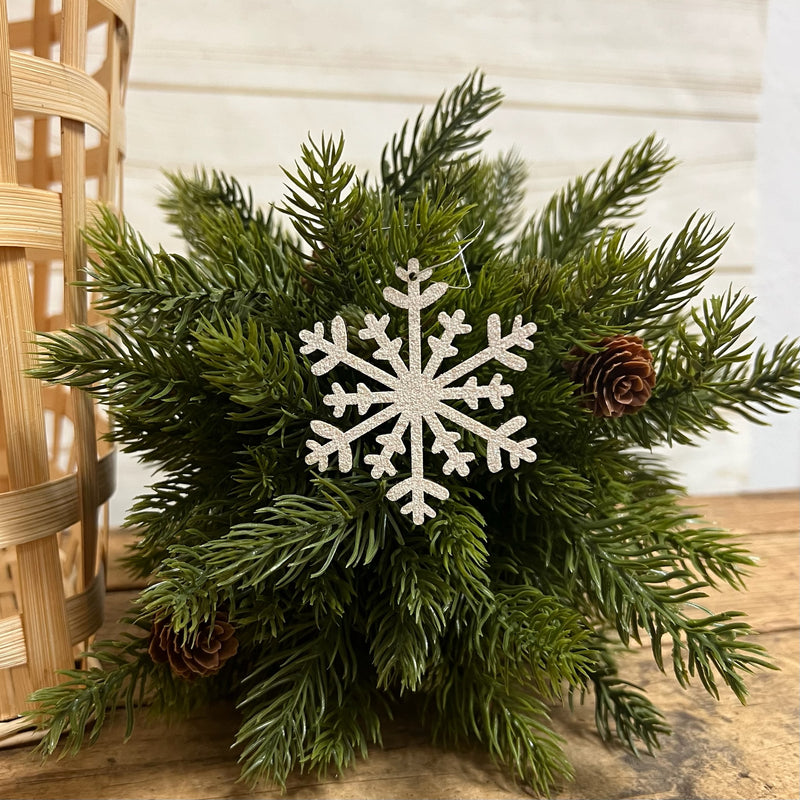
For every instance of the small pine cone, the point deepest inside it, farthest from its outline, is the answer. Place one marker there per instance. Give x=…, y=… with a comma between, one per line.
x=213, y=645
x=616, y=380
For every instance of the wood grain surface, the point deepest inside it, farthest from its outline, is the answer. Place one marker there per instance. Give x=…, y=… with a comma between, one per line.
x=720, y=749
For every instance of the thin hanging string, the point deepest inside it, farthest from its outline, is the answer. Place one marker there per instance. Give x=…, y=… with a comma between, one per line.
x=460, y=254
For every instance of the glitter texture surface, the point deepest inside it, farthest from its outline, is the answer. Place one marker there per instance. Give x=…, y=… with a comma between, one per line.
x=414, y=395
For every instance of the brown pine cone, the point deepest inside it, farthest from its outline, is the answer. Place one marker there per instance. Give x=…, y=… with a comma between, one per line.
x=213, y=645
x=616, y=380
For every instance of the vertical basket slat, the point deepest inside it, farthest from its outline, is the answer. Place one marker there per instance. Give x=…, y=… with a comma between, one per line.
x=61, y=148
x=73, y=205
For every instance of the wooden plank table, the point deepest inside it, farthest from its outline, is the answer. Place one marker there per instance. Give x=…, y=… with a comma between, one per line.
x=718, y=750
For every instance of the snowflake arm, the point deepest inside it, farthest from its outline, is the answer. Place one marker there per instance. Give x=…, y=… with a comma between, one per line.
x=445, y=442
x=498, y=349
x=417, y=485
x=441, y=347
x=496, y=440
x=363, y=398
x=388, y=349
x=391, y=444
x=414, y=301
x=336, y=352
x=472, y=392
x=340, y=441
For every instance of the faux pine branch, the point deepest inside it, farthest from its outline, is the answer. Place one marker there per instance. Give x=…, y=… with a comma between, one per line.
x=306, y=596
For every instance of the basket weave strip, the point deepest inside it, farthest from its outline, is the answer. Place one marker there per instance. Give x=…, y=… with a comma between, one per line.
x=42, y=87
x=61, y=141
x=36, y=511
x=84, y=613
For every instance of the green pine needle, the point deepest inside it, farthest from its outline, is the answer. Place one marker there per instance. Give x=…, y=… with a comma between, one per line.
x=529, y=583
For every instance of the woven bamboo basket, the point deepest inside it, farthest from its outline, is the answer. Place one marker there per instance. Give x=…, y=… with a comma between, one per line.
x=63, y=71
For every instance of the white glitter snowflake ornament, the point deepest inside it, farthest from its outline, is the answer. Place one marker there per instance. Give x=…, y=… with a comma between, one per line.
x=416, y=394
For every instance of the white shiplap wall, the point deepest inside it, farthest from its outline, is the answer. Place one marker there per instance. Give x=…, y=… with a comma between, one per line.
x=238, y=85
x=774, y=458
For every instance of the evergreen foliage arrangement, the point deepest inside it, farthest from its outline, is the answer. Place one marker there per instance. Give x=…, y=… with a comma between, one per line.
x=310, y=599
